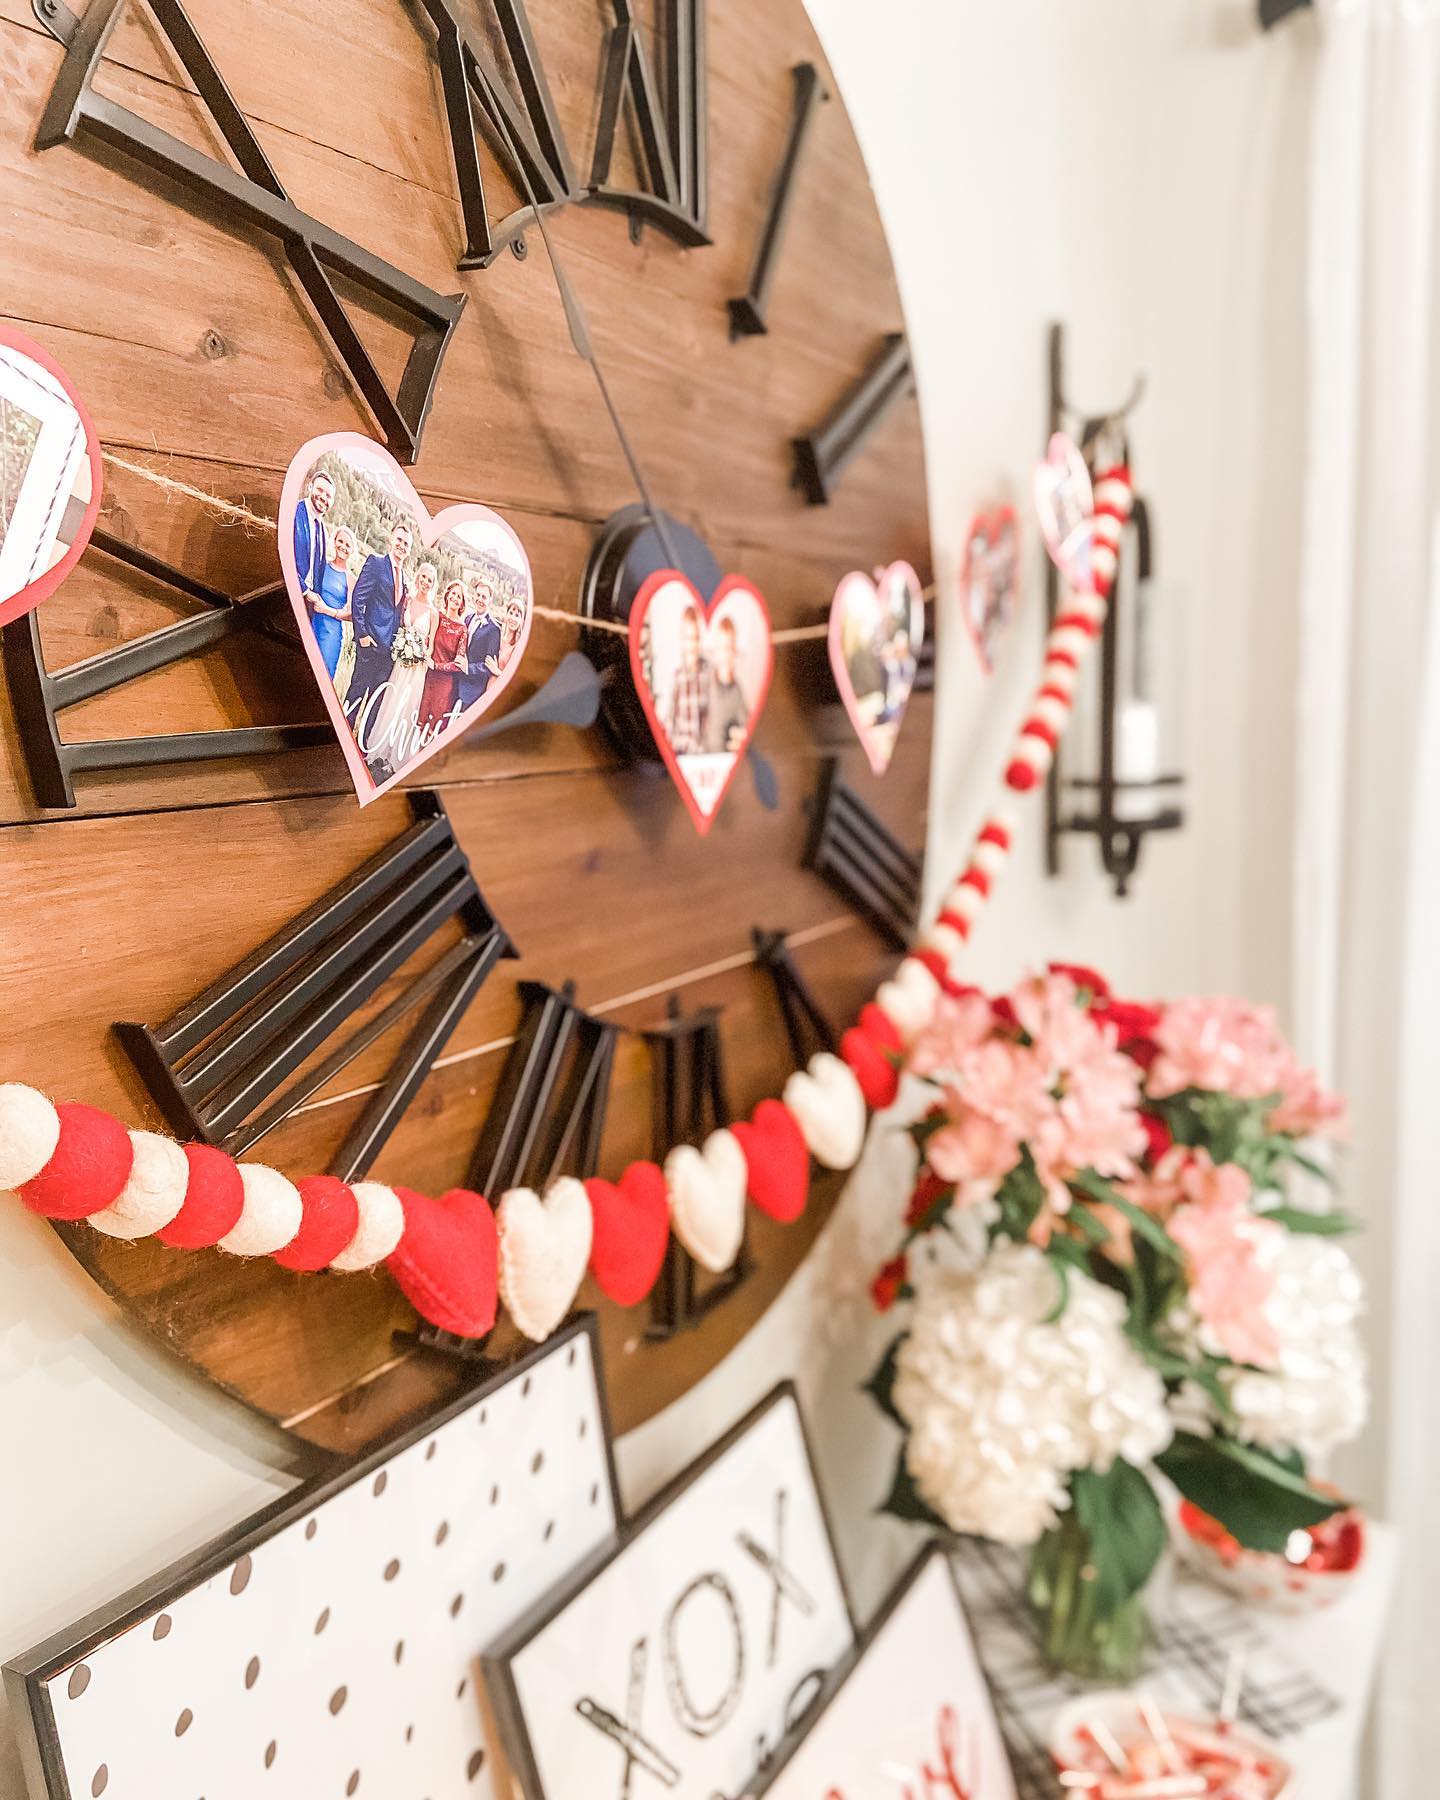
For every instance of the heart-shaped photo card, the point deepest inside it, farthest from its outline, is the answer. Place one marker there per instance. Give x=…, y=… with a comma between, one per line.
x=50, y=474
x=1065, y=507
x=877, y=626
x=990, y=579
x=414, y=626
x=702, y=673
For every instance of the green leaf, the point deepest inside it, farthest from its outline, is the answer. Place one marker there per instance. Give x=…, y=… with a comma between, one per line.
x=1258, y=1498
x=1140, y=1222
x=1316, y=1224
x=1309, y=1164
x=881, y=1385
x=1094, y=1231
x=1062, y=1291
x=904, y=1502
x=1120, y=1513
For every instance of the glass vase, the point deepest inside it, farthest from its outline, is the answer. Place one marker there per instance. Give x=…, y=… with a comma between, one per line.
x=1078, y=1632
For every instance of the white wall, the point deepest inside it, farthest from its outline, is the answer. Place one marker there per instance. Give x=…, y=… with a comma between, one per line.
x=1131, y=167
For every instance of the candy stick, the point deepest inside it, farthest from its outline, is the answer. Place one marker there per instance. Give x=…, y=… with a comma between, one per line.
x=1109, y=1748
x=1160, y=1731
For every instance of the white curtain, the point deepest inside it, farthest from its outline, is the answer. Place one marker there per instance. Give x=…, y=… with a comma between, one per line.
x=1366, y=897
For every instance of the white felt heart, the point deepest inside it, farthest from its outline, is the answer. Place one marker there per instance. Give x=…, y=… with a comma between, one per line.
x=707, y=1199
x=909, y=999
x=830, y=1110
x=544, y=1250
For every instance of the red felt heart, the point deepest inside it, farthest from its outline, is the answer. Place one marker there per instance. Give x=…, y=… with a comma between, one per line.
x=876, y=629
x=878, y=1077
x=447, y=1262
x=53, y=476
x=778, y=1161
x=702, y=674
x=632, y=1230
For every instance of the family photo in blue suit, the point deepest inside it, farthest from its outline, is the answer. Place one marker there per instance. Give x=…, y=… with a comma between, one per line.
x=411, y=638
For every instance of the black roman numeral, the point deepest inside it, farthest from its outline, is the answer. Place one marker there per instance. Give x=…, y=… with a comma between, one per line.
x=689, y=1103
x=822, y=454
x=525, y=136
x=40, y=696
x=862, y=860
x=219, y=1068
x=252, y=198
x=548, y=1114
x=747, y=311
x=806, y=1026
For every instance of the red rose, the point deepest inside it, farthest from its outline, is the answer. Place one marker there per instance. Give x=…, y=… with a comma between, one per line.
x=1084, y=978
x=1135, y=1027
x=1158, y=1136
x=885, y=1288
x=1004, y=1013
x=928, y=1190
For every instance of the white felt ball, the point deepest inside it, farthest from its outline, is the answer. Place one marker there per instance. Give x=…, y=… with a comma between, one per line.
x=1087, y=606
x=544, y=1250
x=1068, y=638
x=270, y=1216
x=945, y=939
x=1060, y=675
x=1004, y=818
x=908, y=1000
x=1108, y=531
x=706, y=1188
x=153, y=1193
x=989, y=857
x=829, y=1108
x=382, y=1225
x=29, y=1132
x=1035, y=753
x=1050, y=711
x=1113, y=491
x=966, y=901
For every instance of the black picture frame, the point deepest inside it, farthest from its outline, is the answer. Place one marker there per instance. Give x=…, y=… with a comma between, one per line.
x=27, y=1677
x=496, y=1663
x=770, y=1772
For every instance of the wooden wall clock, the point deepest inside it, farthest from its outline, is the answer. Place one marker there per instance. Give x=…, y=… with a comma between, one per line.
x=243, y=226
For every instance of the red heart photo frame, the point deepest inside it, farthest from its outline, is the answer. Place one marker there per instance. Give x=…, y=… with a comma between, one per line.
x=50, y=475
x=702, y=673
x=402, y=674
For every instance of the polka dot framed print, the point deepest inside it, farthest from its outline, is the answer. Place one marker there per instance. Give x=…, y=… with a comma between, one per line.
x=331, y=1645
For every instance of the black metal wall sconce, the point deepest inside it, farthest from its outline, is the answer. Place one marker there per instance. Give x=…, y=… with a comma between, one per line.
x=1116, y=775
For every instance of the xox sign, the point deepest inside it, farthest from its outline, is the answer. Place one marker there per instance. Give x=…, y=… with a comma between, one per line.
x=680, y=1659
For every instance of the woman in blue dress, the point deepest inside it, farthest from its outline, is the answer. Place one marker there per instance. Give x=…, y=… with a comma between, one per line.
x=327, y=620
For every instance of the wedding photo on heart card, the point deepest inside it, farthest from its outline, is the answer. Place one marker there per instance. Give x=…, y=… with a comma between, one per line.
x=701, y=1640
x=414, y=625
x=877, y=626
x=911, y=1715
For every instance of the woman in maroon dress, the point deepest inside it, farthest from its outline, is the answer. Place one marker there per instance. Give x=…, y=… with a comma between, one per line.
x=442, y=680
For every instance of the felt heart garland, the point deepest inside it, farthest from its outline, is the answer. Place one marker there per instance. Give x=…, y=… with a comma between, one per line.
x=72, y=1162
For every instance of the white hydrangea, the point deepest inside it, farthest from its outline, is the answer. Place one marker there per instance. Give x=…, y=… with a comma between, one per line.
x=1003, y=1403
x=1317, y=1396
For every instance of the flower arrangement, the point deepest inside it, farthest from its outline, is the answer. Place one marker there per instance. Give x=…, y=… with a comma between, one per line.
x=409, y=648
x=1105, y=1279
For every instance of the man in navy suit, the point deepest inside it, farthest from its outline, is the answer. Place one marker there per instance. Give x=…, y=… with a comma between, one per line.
x=312, y=542
x=376, y=608
x=482, y=640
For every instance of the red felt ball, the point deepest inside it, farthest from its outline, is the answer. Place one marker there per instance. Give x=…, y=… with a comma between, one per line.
x=881, y=1029
x=214, y=1200
x=878, y=1077
x=90, y=1166
x=956, y=922
x=996, y=834
x=328, y=1223
x=447, y=1262
x=1037, y=728
x=777, y=1159
x=933, y=961
x=1021, y=775
x=631, y=1221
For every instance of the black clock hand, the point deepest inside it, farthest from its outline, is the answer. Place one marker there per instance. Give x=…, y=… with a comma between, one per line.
x=580, y=331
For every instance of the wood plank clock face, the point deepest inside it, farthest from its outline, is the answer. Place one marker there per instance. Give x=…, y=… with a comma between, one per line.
x=240, y=227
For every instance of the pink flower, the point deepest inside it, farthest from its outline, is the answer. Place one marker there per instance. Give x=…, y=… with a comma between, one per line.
x=1223, y=1187
x=1229, y=1282
x=973, y=1148
x=1306, y=1108
x=959, y=1025
x=1222, y=1045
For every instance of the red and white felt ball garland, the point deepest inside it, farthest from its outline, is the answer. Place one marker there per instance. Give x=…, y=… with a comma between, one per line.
x=454, y=1258
x=1076, y=626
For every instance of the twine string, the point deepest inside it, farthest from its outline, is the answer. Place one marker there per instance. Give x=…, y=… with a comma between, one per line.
x=242, y=515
